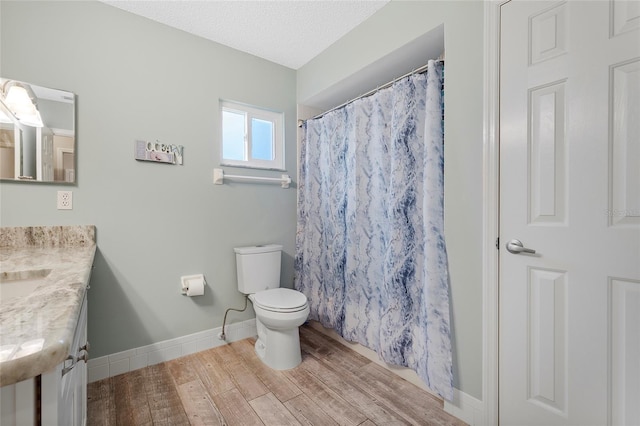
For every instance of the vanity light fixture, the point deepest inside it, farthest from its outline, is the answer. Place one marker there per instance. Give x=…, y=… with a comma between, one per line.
x=19, y=98
x=6, y=116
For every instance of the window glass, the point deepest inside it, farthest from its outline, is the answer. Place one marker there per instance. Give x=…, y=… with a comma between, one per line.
x=261, y=139
x=233, y=135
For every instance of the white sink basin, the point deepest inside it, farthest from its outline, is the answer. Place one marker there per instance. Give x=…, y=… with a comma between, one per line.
x=21, y=283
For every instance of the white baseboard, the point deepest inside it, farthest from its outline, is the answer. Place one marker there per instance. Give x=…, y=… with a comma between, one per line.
x=463, y=406
x=466, y=408
x=133, y=359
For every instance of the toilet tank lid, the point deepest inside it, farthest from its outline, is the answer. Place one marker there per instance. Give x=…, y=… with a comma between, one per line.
x=258, y=249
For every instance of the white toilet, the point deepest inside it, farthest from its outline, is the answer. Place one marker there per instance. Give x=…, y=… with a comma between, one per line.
x=279, y=311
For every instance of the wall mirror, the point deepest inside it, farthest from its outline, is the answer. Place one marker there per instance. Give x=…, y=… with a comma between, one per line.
x=37, y=133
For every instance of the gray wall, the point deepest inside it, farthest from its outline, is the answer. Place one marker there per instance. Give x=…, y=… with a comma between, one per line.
x=56, y=115
x=388, y=30
x=137, y=79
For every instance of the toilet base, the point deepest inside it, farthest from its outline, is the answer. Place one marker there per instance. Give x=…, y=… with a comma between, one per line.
x=278, y=349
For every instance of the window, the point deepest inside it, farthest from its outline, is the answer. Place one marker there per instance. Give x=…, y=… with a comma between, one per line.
x=252, y=137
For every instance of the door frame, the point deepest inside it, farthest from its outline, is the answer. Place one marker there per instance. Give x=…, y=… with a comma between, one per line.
x=491, y=211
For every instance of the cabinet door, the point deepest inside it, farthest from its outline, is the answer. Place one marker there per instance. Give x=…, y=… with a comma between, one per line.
x=17, y=402
x=80, y=371
x=64, y=396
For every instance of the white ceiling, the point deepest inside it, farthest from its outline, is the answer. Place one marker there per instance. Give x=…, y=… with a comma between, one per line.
x=287, y=32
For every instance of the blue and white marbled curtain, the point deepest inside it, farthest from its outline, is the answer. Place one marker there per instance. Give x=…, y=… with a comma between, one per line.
x=370, y=248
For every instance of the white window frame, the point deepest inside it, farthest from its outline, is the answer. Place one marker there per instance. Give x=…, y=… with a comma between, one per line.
x=250, y=112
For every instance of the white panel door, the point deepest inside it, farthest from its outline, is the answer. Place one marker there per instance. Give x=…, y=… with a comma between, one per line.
x=44, y=154
x=570, y=190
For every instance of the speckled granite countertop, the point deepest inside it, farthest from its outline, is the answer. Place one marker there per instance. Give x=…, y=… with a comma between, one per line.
x=36, y=330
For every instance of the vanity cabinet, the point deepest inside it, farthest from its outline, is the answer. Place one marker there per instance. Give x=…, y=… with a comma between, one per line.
x=62, y=391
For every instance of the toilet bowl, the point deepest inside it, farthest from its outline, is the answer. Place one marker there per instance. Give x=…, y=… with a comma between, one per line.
x=279, y=311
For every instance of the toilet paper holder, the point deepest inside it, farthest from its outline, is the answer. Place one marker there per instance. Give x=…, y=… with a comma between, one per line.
x=193, y=285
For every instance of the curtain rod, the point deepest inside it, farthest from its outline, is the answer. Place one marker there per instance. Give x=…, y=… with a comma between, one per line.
x=371, y=92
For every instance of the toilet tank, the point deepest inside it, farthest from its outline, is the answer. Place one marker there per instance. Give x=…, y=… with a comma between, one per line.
x=258, y=267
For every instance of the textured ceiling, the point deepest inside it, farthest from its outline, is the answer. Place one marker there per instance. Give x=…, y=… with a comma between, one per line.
x=289, y=33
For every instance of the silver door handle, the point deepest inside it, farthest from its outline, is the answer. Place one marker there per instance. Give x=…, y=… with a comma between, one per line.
x=516, y=247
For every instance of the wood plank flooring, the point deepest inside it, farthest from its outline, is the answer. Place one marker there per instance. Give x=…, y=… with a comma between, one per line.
x=229, y=385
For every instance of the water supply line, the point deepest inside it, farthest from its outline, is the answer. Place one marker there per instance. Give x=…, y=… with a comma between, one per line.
x=222, y=335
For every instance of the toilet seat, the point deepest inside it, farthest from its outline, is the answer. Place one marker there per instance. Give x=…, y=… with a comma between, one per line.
x=280, y=300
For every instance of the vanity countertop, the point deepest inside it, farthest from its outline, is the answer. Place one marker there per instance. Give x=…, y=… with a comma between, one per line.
x=36, y=330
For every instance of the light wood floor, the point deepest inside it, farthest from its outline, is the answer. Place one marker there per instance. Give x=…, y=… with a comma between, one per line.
x=230, y=385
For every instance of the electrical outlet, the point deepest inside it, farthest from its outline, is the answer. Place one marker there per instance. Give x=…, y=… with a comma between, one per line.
x=65, y=200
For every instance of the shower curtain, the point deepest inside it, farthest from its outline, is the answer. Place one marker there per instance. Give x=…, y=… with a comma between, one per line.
x=370, y=248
